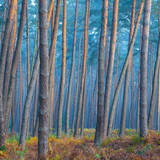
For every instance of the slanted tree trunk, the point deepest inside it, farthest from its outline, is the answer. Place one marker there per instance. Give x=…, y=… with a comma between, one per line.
x=101, y=70
x=143, y=79
x=72, y=72
x=124, y=71
x=76, y=132
x=26, y=110
x=2, y=67
x=15, y=61
x=44, y=77
x=50, y=11
x=127, y=78
x=109, y=75
x=63, y=70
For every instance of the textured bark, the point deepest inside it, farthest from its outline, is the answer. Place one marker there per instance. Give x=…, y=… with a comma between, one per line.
x=83, y=105
x=63, y=70
x=124, y=71
x=52, y=52
x=28, y=62
x=11, y=47
x=50, y=10
x=3, y=24
x=158, y=118
x=2, y=67
x=72, y=72
x=143, y=79
x=52, y=64
x=15, y=61
x=154, y=89
x=26, y=110
x=44, y=77
x=127, y=78
x=77, y=86
x=101, y=70
x=110, y=66
x=76, y=132
x=20, y=101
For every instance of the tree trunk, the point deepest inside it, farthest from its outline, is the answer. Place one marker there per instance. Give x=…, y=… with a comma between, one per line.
x=143, y=79
x=127, y=78
x=44, y=77
x=63, y=70
x=154, y=89
x=77, y=86
x=101, y=70
x=124, y=71
x=76, y=132
x=15, y=61
x=83, y=105
x=2, y=67
x=26, y=110
x=109, y=75
x=72, y=72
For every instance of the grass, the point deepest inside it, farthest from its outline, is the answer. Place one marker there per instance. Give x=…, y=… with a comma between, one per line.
x=129, y=147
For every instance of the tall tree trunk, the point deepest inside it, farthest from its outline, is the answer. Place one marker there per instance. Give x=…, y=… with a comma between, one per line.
x=15, y=61
x=76, y=132
x=50, y=11
x=127, y=78
x=26, y=110
x=2, y=67
x=72, y=71
x=44, y=77
x=154, y=89
x=124, y=71
x=143, y=79
x=109, y=75
x=77, y=86
x=63, y=70
x=101, y=70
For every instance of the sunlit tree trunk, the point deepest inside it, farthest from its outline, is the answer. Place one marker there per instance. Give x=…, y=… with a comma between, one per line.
x=72, y=72
x=50, y=11
x=127, y=78
x=44, y=77
x=15, y=61
x=4, y=48
x=144, y=79
x=76, y=132
x=63, y=70
x=101, y=70
x=83, y=105
x=109, y=75
x=115, y=99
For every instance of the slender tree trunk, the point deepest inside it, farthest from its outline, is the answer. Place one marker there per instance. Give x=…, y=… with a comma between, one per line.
x=83, y=105
x=72, y=71
x=124, y=71
x=63, y=70
x=50, y=10
x=26, y=110
x=77, y=86
x=2, y=67
x=110, y=66
x=101, y=70
x=15, y=61
x=83, y=71
x=127, y=78
x=44, y=77
x=143, y=79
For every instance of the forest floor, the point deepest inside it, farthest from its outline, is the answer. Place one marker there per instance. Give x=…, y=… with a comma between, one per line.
x=131, y=147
